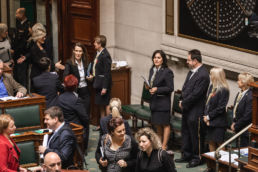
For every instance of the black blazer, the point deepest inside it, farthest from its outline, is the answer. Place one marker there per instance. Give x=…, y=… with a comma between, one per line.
x=103, y=69
x=104, y=122
x=244, y=111
x=194, y=93
x=48, y=84
x=73, y=108
x=216, y=108
x=164, y=81
x=63, y=143
x=73, y=69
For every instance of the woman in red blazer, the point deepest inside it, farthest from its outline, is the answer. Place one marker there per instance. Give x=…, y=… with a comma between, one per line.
x=9, y=159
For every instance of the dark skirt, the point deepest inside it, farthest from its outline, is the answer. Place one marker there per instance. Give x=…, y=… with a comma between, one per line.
x=102, y=99
x=160, y=118
x=216, y=134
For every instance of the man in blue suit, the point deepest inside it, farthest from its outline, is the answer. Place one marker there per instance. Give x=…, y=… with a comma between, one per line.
x=192, y=104
x=62, y=141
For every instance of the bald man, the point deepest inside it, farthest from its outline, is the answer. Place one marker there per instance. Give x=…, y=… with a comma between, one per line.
x=52, y=162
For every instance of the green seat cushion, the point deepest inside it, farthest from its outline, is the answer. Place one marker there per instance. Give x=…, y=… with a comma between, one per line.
x=146, y=96
x=143, y=113
x=131, y=109
x=28, y=154
x=176, y=100
x=176, y=123
x=25, y=116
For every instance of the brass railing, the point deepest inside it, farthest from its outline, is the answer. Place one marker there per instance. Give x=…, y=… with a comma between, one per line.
x=218, y=156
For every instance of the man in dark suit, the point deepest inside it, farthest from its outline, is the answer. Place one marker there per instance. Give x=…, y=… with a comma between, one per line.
x=192, y=104
x=242, y=111
x=62, y=141
x=47, y=83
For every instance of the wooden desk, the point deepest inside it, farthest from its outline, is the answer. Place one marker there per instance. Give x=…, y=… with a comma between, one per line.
x=75, y=171
x=38, y=138
x=223, y=165
x=33, y=99
x=121, y=88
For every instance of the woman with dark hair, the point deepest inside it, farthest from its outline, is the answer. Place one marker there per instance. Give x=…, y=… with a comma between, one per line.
x=151, y=157
x=116, y=151
x=161, y=80
x=9, y=159
x=77, y=65
x=73, y=107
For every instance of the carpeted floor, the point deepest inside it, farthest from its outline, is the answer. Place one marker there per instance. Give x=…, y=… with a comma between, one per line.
x=93, y=166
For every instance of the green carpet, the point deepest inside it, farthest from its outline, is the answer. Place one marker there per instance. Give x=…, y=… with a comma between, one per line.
x=93, y=166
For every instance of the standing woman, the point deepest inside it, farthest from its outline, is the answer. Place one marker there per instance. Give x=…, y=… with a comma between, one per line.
x=161, y=80
x=215, y=109
x=101, y=71
x=151, y=158
x=9, y=159
x=77, y=66
x=5, y=47
x=242, y=113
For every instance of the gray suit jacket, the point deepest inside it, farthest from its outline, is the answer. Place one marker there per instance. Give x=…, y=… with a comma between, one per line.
x=12, y=86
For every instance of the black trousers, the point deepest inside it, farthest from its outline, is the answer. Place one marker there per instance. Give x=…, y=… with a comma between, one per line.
x=190, y=138
x=84, y=94
x=20, y=73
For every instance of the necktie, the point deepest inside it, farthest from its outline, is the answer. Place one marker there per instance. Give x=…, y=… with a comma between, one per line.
x=237, y=102
x=153, y=76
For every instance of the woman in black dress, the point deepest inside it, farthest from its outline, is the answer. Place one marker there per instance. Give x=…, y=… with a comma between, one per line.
x=151, y=158
x=101, y=71
x=161, y=80
x=215, y=108
x=77, y=65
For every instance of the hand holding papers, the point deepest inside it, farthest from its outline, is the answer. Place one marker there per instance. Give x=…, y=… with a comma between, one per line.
x=146, y=83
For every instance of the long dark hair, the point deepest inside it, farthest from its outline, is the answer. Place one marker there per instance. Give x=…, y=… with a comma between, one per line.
x=164, y=58
x=84, y=57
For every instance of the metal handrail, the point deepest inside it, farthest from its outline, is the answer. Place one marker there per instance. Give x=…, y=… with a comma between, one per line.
x=217, y=155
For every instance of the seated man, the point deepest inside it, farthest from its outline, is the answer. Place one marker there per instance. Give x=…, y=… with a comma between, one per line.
x=62, y=141
x=52, y=162
x=8, y=85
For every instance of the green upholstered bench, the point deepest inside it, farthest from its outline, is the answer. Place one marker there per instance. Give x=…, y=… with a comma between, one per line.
x=25, y=117
x=28, y=156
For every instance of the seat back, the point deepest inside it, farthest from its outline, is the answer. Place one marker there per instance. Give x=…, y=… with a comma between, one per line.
x=25, y=117
x=146, y=96
x=28, y=154
x=230, y=116
x=176, y=99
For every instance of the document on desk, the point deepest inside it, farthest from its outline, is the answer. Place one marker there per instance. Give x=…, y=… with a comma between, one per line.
x=11, y=98
x=225, y=156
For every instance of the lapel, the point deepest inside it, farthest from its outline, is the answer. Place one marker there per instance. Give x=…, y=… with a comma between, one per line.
x=158, y=76
x=7, y=85
x=187, y=79
x=244, y=97
x=53, y=138
x=10, y=146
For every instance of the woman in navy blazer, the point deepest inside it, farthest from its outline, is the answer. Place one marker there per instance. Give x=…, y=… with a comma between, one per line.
x=77, y=66
x=161, y=80
x=215, y=108
x=243, y=107
x=9, y=159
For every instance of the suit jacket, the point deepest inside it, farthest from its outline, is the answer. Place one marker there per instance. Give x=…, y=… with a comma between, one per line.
x=194, y=93
x=216, y=108
x=73, y=108
x=12, y=86
x=164, y=81
x=104, y=122
x=73, y=69
x=244, y=111
x=48, y=84
x=63, y=143
x=103, y=69
x=9, y=159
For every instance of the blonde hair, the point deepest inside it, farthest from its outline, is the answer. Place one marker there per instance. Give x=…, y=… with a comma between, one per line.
x=115, y=107
x=38, y=32
x=5, y=119
x=3, y=28
x=218, y=78
x=246, y=79
x=151, y=135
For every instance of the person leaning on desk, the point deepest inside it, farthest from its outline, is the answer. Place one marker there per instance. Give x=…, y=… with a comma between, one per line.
x=8, y=84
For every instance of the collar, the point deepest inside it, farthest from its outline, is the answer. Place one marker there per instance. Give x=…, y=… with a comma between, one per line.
x=244, y=92
x=75, y=94
x=23, y=21
x=196, y=69
x=98, y=52
x=156, y=69
x=77, y=62
x=59, y=127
